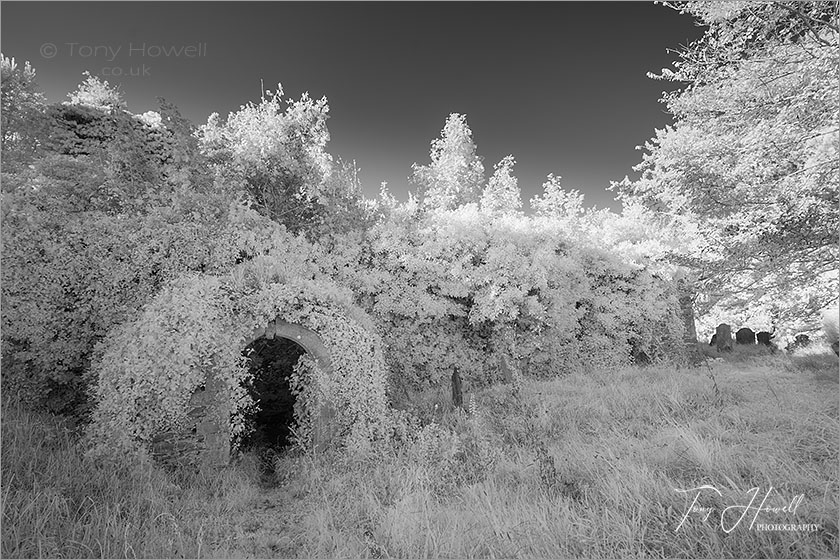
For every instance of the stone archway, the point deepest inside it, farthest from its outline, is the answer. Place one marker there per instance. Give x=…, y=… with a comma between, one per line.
x=211, y=412
x=311, y=342
x=187, y=411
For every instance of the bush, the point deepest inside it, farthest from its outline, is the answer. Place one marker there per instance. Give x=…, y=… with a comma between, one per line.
x=452, y=459
x=461, y=289
x=69, y=277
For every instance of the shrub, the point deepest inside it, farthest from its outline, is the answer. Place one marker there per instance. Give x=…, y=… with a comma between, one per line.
x=69, y=277
x=460, y=289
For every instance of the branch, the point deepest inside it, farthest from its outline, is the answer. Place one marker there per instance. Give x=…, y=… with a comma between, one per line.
x=809, y=21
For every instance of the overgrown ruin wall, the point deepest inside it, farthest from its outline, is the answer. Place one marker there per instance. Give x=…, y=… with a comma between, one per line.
x=205, y=439
x=173, y=381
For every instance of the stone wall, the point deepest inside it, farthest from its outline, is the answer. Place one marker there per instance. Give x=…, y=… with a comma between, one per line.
x=203, y=439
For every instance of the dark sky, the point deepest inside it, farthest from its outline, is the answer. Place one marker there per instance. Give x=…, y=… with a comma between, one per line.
x=560, y=85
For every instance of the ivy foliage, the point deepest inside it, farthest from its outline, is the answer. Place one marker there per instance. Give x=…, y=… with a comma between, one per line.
x=194, y=331
x=70, y=277
x=110, y=207
x=459, y=289
x=141, y=254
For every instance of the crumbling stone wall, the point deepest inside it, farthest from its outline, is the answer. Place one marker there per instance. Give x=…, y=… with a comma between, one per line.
x=204, y=438
x=171, y=381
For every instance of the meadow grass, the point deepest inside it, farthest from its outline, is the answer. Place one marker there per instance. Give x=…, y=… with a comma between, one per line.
x=56, y=503
x=588, y=465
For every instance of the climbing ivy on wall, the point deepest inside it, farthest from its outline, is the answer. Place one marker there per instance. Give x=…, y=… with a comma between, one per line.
x=195, y=330
x=149, y=367
x=354, y=388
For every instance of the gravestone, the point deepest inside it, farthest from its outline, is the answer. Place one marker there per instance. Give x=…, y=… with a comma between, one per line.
x=724, y=338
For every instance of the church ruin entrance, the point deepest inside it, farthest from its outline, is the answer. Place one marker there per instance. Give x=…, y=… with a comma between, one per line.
x=271, y=362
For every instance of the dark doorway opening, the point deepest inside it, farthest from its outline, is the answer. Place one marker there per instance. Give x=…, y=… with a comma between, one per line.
x=271, y=363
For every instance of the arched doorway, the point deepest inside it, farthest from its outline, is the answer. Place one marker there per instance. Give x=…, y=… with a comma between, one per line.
x=271, y=362
x=333, y=401
x=273, y=353
x=190, y=411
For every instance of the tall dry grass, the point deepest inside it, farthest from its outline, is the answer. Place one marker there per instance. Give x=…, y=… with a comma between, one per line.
x=583, y=466
x=622, y=444
x=56, y=503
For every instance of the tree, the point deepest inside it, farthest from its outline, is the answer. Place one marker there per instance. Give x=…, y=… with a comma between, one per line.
x=502, y=194
x=345, y=208
x=557, y=201
x=278, y=156
x=96, y=94
x=455, y=175
x=22, y=114
x=752, y=157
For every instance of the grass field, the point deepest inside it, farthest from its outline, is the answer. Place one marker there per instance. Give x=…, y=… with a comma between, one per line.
x=595, y=465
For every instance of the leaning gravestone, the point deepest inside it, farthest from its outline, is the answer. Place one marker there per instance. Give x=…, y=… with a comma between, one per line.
x=723, y=339
x=686, y=289
x=686, y=301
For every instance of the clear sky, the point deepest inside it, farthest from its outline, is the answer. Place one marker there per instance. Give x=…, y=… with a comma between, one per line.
x=560, y=85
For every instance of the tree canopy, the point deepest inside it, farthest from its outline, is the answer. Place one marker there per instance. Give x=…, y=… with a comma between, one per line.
x=274, y=152
x=502, y=195
x=456, y=174
x=752, y=157
x=21, y=114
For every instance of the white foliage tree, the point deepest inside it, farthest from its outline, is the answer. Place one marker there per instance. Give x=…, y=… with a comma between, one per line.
x=753, y=155
x=21, y=115
x=502, y=196
x=557, y=201
x=455, y=175
x=278, y=151
x=97, y=94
